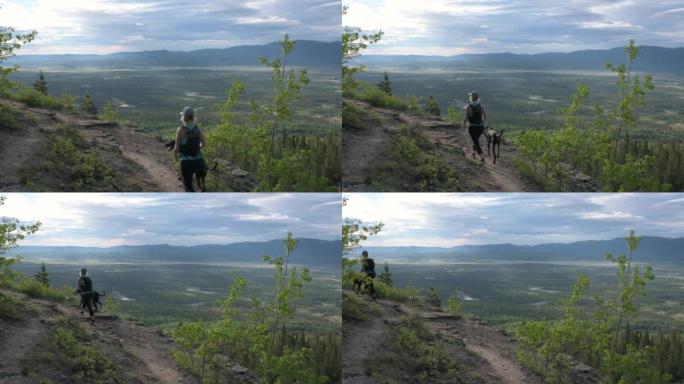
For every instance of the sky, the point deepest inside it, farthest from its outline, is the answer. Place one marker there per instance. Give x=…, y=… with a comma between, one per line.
x=448, y=220
x=103, y=220
x=451, y=27
x=106, y=26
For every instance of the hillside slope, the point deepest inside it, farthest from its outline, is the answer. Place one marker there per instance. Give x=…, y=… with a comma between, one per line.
x=365, y=147
x=43, y=345
x=119, y=158
x=482, y=353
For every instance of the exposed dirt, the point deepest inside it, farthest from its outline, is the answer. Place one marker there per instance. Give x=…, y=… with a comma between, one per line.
x=141, y=351
x=363, y=146
x=485, y=354
x=141, y=156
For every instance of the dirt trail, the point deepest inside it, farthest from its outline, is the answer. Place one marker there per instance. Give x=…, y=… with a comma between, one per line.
x=151, y=362
x=485, y=354
x=141, y=155
x=362, y=147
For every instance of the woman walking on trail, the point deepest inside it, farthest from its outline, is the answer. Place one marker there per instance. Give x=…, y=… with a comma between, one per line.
x=475, y=116
x=188, y=148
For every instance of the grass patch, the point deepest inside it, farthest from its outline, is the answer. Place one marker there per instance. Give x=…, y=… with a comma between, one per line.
x=35, y=289
x=68, y=354
x=412, y=351
x=356, y=308
x=10, y=117
x=33, y=98
x=410, y=165
x=355, y=117
x=68, y=163
x=407, y=294
x=11, y=307
x=378, y=98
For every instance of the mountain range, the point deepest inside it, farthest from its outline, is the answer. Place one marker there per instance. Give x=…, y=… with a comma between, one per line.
x=650, y=59
x=309, y=252
x=307, y=53
x=650, y=250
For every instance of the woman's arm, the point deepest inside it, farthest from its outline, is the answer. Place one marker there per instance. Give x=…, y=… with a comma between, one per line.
x=176, y=147
x=465, y=115
x=484, y=115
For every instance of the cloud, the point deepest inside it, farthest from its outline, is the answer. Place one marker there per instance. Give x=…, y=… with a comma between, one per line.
x=448, y=27
x=437, y=219
x=105, y=26
x=104, y=219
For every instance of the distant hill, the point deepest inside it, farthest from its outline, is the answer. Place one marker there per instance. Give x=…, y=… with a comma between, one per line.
x=309, y=252
x=651, y=250
x=651, y=59
x=307, y=53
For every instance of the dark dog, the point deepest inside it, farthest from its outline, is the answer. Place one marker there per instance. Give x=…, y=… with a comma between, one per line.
x=94, y=301
x=200, y=177
x=493, y=142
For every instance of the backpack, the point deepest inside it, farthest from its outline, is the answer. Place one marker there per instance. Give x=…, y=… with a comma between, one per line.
x=369, y=268
x=475, y=117
x=87, y=284
x=192, y=142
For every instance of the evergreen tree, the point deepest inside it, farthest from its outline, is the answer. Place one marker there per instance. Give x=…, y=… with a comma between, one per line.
x=42, y=275
x=41, y=84
x=432, y=108
x=88, y=105
x=386, y=85
x=386, y=276
x=109, y=112
x=433, y=298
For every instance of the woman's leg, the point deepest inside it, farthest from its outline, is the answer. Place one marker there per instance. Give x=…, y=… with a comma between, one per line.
x=187, y=170
x=475, y=134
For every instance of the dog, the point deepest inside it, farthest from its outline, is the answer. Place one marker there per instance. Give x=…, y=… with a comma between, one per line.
x=200, y=177
x=493, y=142
x=95, y=301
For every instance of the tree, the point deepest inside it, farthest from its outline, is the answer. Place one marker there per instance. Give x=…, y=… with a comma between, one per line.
x=453, y=304
x=41, y=84
x=385, y=85
x=109, y=112
x=431, y=107
x=88, y=105
x=42, y=275
x=386, y=276
x=12, y=231
x=10, y=41
x=354, y=41
x=433, y=298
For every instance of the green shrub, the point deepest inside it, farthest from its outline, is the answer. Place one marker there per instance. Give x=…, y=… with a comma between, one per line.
x=355, y=117
x=68, y=163
x=34, y=98
x=378, y=98
x=407, y=294
x=10, y=117
x=356, y=308
x=36, y=289
x=11, y=307
x=70, y=354
x=409, y=165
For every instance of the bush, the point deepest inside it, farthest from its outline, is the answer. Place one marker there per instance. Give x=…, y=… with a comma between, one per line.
x=378, y=98
x=407, y=294
x=10, y=117
x=69, y=350
x=355, y=117
x=35, y=289
x=68, y=163
x=409, y=165
x=34, y=98
x=11, y=307
x=356, y=308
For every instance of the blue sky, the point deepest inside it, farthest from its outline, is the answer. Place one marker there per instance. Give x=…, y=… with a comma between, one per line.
x=446, y=220
x=450, y=27
x=105, y=26
x=94, y=219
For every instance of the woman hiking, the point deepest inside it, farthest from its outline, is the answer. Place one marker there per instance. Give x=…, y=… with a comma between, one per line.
x=475, y=116
x=84, y=287
x=188, y=148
